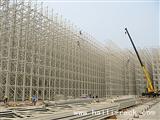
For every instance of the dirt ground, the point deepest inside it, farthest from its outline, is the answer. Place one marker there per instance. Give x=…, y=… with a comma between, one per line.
x=20, y=104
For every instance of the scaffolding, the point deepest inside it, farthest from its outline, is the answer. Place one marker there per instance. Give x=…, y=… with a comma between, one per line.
x=114, y=70
x=156, y=67
x=45, y=55
x=129, y=70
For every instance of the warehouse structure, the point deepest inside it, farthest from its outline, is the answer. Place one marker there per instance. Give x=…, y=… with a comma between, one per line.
x=114, y=70
x=129, y=71
x=45, y=55
x=156, y=67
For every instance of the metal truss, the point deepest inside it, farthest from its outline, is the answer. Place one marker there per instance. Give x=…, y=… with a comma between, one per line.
x=45, y=55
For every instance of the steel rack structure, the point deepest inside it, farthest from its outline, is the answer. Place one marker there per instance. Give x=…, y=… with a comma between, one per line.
x=156, y=67
x=129, y=70
x=43, y=54
x=114, y=70
x=46, y=55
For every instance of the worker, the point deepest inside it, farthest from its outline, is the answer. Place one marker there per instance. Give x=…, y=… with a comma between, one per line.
x=97, y=99
x=5, y=99
x=80, y=32
x=34, y=100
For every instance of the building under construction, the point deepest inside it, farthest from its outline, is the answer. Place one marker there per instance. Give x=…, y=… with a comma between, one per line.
x=45, y=55
x=50, y=70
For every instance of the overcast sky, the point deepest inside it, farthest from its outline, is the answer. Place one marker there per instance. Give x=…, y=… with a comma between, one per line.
x=107, y=20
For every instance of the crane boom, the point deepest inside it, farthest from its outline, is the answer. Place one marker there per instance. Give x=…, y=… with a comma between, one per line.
x=146, y=73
